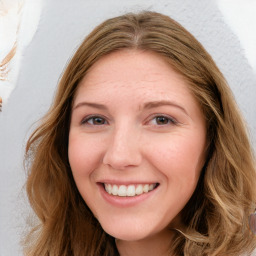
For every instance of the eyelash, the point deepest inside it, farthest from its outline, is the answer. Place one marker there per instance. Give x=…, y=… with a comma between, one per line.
x=86, y=120
x=170, y=121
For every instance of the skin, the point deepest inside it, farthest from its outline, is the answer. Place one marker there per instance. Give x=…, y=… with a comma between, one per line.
x=148, y=128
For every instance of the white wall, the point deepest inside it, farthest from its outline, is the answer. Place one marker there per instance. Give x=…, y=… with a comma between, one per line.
x=62, y=26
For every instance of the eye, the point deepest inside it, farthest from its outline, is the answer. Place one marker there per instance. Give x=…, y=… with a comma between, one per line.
x=162, y=120
x=94, y=120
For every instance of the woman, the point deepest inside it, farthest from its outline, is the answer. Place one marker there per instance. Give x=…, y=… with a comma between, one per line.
x=143, y=151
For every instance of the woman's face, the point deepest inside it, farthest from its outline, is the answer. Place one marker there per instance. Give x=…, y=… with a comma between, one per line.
x=136, y=143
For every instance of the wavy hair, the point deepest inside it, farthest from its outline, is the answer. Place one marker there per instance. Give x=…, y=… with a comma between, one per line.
x=216, y=217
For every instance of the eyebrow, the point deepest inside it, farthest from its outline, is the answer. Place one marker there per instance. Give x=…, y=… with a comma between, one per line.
x=90, y=104
x=147, y=105
x=154, y=104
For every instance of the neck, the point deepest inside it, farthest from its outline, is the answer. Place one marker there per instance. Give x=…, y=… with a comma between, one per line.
x=153, y=246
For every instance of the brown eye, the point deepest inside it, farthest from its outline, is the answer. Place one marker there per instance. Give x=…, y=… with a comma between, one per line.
x=162, y=120
x=98, y=121
x=95, y=120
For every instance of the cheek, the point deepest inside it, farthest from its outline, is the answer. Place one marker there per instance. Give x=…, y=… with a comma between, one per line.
x=84, y=155
x=179, y=158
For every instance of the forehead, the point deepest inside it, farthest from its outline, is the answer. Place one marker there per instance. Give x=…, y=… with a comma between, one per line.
x=132, y=72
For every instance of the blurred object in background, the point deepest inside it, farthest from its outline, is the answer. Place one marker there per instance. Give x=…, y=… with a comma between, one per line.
x=18, y=23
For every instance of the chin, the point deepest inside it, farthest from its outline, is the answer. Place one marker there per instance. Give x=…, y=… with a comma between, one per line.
x=129, y=231
x=126, y=235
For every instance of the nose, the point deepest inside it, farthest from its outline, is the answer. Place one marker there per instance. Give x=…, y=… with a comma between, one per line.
x=123, y=149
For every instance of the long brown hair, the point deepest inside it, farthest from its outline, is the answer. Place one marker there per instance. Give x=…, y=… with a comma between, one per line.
x=216, y=217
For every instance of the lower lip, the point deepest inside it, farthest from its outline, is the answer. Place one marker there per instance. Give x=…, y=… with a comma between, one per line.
x=125, y=201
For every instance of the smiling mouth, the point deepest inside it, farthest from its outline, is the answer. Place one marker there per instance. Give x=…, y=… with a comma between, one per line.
x=129, y=190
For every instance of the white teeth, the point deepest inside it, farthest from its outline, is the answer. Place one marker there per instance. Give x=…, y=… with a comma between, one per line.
x=122, y=190
x=130, y=190
x=108, y=188
x=139, y=190
x=114, y=190
x=145, y=188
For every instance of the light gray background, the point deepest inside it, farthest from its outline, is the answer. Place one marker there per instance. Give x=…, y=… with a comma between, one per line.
x=63, y=25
